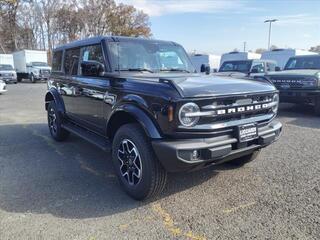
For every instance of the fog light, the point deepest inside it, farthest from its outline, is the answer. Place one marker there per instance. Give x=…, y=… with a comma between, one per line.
x=195, y=155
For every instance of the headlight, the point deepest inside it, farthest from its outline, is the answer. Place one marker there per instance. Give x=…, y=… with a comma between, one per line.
x=185, y=114
x=275, y=100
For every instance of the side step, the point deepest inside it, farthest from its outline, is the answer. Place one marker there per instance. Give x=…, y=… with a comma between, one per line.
x=91, y=137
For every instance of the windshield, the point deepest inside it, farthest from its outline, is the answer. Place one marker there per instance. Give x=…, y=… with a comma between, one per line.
x=5, y=67
x=236, y=66
x=39, y=64
x=149, y=56
x=303, y=63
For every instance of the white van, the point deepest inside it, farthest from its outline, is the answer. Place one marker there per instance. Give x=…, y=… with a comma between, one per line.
x=281, y=56
x=234, y=56
x=7, y=72
x=210, y=60
x=31, y=64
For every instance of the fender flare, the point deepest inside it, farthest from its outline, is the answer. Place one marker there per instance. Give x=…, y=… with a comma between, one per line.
x=54, y=95
x=150, y=128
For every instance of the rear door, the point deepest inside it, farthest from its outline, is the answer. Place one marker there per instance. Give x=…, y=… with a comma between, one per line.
x=91, y=91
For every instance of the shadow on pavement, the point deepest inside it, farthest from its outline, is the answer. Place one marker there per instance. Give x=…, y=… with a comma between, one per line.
x=300, y=115
x=73, y=179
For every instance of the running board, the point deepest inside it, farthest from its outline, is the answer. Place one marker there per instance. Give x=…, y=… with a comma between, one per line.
x=91, y=137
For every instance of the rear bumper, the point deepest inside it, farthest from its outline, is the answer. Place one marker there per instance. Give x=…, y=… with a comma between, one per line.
x=175, y=154
x=299, y=96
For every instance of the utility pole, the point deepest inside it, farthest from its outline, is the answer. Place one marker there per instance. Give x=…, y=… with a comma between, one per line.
x=244, y=46
x=270, y=21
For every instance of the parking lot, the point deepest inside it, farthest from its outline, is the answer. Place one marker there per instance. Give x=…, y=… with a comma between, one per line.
x=68, y=190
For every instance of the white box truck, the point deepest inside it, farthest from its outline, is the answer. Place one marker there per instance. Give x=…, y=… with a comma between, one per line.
x=281, y=56
x=7, y=72
x=32, y=65
x=233, y=56
x=208, y=60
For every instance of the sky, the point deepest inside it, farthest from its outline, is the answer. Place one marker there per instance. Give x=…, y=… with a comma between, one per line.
x=219, y=26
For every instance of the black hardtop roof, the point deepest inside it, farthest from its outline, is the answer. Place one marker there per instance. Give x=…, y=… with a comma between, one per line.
x=98, y=39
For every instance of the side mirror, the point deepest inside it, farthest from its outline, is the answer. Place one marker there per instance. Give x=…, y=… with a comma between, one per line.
x=215, y=70
x=254, y=70
x=277, y=69
x=92, y=68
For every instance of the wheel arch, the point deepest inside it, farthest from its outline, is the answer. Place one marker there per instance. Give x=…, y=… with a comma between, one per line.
x=131, y=114
x=53, y=95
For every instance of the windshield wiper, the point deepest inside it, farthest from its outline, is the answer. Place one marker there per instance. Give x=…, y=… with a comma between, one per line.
x=174, y=70
x=137, y=70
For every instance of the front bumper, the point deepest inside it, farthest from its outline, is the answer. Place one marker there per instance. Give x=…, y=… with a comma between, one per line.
x=9, y=79
x=299, y=96
x=175, y=154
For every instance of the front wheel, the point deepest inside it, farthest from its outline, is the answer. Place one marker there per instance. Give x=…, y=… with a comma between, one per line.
x=245, y=159
x=138, y=169
x=32, y=78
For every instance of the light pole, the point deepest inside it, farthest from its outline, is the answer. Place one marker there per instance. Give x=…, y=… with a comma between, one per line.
x=270, y=21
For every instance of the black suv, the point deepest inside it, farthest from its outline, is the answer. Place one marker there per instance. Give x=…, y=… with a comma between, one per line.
x=299, y=82
x=142, y=100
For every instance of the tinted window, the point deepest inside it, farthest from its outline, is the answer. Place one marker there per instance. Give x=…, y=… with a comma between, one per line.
x=149, y=56
x=236, y=66
x=57, y=61
x=71, y=61
x=92, y=53
x=303, y=63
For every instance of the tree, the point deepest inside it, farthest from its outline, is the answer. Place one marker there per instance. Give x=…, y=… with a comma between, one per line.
x=315, y=49
x=43, y=24
x=260, y=50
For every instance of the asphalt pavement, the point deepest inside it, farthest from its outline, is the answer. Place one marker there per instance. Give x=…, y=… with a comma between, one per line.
x=68, y=190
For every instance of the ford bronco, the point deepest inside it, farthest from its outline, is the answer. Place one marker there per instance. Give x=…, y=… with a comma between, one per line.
x=142, y=101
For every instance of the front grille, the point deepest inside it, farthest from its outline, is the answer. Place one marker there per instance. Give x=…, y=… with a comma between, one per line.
x=237, y=108
x=287, y=82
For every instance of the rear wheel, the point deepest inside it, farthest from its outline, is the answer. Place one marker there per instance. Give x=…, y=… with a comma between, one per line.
x=138, y=169
x=245, y=159
x=55, y=123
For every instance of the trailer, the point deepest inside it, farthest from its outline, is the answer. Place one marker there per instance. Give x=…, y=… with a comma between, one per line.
x=32, y=65
x=281, y=56
x=234, y=56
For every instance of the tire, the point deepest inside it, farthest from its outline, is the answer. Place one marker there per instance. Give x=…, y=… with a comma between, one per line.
x=317, y=106
x=32, y=79
x=239, y=162
x=55, y=123
x=139, y=171
x=19, y=79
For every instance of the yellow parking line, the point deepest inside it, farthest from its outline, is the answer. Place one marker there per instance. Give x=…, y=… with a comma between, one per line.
x=234, y=209
x=170, y=226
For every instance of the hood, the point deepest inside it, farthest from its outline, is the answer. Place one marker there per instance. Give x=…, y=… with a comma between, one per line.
x=8, y=72
x=231, y=74
x=45, y=68
x=205, y=86
x=302, y=72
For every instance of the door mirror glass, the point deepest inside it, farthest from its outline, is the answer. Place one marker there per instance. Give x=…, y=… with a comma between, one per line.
x=92, y=68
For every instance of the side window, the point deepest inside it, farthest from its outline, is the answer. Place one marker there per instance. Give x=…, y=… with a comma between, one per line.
x=259, y=67
x=271, y=67
x=57, y=61
x=92, y=53
x=71, y=61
